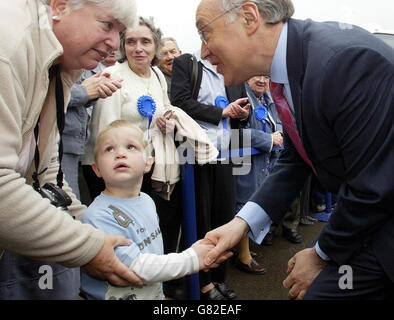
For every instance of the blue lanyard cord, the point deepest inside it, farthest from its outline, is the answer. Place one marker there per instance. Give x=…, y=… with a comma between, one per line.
x=222, y=102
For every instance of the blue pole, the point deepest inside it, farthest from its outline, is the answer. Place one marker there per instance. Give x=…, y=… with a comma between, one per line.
x=328, y=203
x=190, y=227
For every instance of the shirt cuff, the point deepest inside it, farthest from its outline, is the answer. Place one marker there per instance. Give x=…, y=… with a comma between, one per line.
x=320, y=253
x=258, y=220
x=195, y=263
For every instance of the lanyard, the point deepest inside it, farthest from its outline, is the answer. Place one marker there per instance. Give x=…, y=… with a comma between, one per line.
x=61, y=119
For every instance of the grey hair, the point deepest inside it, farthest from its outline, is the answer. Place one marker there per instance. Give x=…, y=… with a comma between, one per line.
x=156, y=34
x=274, y=11
x=163, y=41
x=125, y=11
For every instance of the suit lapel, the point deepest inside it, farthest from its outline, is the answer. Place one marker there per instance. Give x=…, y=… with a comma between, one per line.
x=295, y=71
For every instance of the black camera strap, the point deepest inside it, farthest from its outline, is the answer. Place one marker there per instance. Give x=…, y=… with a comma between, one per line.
x=61, y=119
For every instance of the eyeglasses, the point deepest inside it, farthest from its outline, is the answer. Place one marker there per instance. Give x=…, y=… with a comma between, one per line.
x=203, y=34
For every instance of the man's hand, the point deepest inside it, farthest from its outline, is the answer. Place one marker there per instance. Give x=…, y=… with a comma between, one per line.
x=202, y=247
x=105, y=265
x=225, y=238
x=304, y=267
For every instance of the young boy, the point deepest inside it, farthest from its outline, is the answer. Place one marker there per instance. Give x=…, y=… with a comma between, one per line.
x=121, y=159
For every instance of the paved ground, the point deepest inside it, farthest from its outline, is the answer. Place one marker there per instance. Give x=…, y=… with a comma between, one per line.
x=274, y=258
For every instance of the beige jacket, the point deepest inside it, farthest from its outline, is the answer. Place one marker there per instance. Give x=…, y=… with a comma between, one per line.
x=29, y=225
x=193, y=140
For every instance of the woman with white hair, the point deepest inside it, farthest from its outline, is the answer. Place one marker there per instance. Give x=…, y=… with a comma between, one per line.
x=43, y=47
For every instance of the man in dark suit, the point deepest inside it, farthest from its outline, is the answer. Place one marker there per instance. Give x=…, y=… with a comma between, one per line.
x=334, y=86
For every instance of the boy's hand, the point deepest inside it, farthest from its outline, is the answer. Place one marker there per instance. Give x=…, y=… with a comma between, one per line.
x=202, y=247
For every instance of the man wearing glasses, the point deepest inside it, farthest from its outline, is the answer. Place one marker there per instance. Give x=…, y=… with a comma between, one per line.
x=337, y=126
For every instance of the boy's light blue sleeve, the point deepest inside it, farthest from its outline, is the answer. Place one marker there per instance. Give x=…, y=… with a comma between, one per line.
x=103, y=221
x=258, y=220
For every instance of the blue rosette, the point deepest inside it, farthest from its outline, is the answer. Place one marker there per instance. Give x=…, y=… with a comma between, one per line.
x=222, y=102
x=261, y=114
x=146, y=107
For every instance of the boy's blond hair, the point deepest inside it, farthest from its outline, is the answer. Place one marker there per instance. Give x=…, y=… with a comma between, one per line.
x=121, y=124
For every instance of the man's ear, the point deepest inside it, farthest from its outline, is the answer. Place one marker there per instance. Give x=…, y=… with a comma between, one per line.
x=96, y=170
x=251, y=16
x=148, y=164
x=59, y=7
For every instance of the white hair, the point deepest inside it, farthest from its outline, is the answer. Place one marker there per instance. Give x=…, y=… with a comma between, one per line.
x=163, y=41
x=125, y=11
x=156, y=35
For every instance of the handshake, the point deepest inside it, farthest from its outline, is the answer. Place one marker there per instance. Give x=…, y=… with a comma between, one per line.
x=303, y=268
x=205, y=246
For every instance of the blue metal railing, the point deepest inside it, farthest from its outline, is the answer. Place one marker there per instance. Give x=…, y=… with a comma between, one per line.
x=190, y=227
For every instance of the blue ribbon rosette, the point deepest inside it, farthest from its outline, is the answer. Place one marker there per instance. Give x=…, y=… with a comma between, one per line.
x=222, y=102
x=261, y=114
x=146, y=107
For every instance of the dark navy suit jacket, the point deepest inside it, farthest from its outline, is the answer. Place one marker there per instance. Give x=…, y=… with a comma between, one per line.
x=342, y=84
